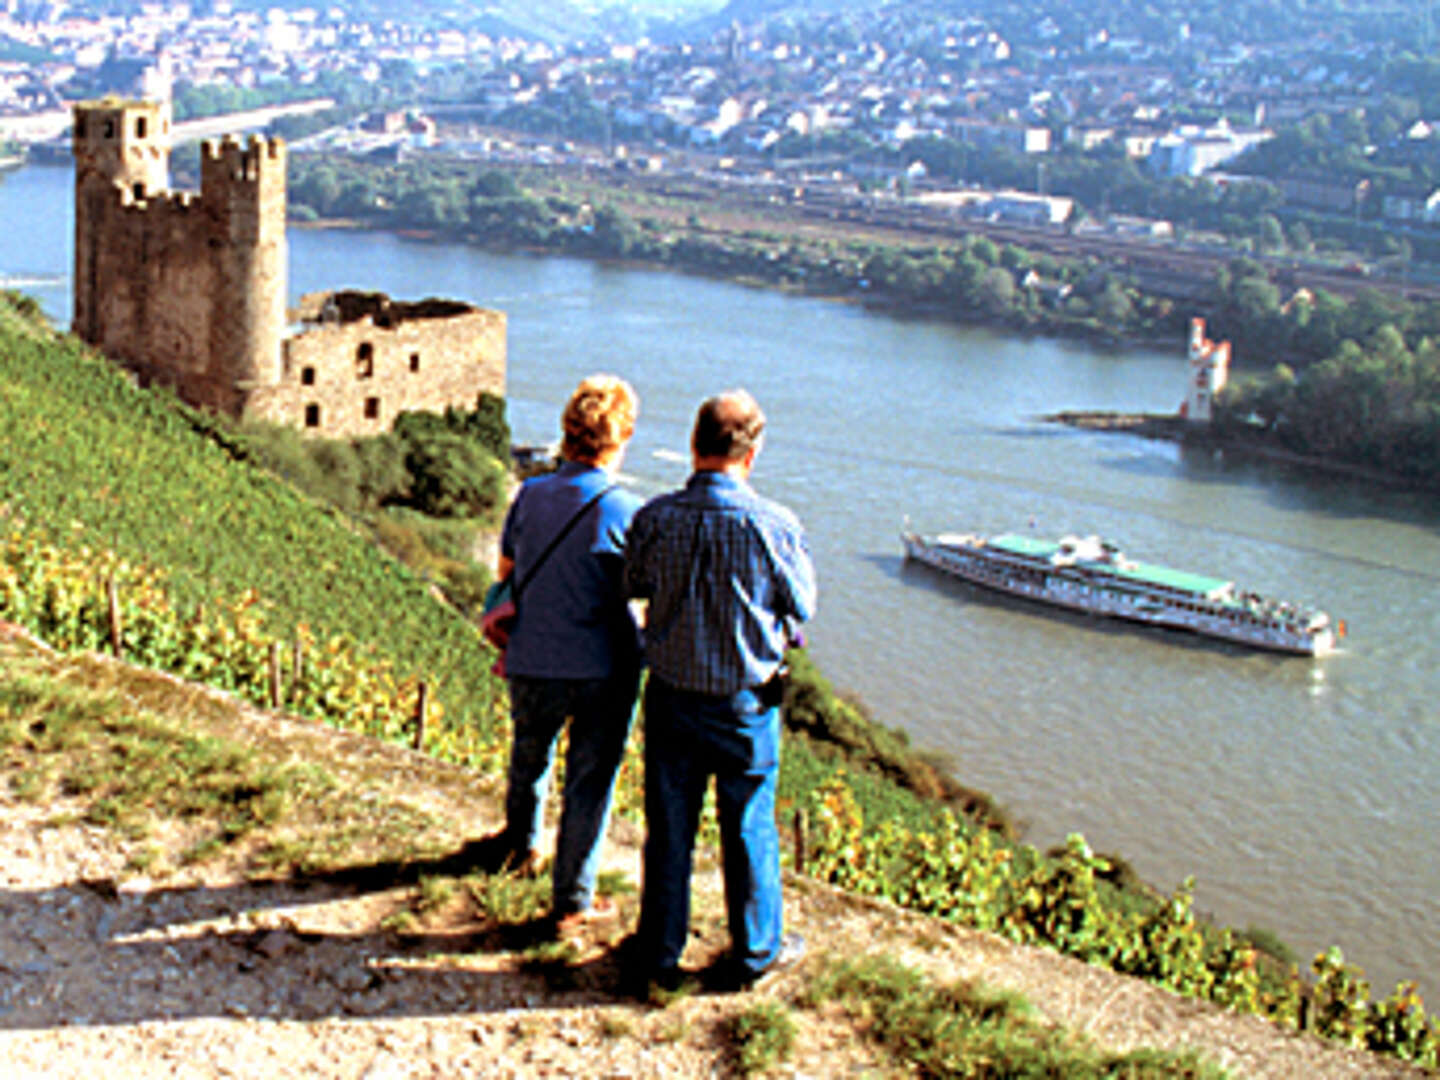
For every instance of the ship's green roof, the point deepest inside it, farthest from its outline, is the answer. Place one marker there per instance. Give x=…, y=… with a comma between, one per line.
x=1024, y=545
x=1174, y=579
x=1146, y=573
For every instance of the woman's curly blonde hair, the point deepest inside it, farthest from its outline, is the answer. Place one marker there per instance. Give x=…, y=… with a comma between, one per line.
x=599, y=416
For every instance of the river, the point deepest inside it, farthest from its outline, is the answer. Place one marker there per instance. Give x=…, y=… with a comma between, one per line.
x=1303, y=795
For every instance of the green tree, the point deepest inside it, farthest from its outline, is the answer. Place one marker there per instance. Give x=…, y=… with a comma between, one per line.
x=1270, y=235
x=997, y=291
x=1113, y=306
x=453, y=476
x=615, y=232
x=495, y=184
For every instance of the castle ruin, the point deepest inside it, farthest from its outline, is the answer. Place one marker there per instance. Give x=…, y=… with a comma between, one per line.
x=187, y=290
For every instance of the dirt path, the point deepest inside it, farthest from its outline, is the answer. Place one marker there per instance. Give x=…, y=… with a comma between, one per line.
x=204, y=973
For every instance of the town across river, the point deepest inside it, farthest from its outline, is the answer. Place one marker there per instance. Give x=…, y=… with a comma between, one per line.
x=1301, y=794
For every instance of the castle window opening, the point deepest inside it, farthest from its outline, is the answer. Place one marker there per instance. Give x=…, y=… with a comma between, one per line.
x=414, y=361
x=365, y=360
x=307, y=376
x=139, y=191
x=312, y=415
x=140, y=127
x=109, y=129
x=372, y=408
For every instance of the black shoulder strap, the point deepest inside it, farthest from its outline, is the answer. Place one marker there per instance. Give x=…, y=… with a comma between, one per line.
x=575, y=520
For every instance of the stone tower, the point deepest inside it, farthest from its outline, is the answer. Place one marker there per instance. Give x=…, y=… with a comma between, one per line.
x=1209, y=371
x=184, y=290
x=119, y=146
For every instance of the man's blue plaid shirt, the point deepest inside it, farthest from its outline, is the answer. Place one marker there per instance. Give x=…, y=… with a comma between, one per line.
x=728, y=578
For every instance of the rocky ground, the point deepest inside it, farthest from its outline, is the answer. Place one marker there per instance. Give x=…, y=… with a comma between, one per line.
x=361, y=971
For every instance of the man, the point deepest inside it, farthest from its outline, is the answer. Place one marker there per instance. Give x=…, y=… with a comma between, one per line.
x=728, y=580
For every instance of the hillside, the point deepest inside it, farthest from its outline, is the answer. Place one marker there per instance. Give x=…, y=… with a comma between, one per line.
x=130, y=521
x=147, y=937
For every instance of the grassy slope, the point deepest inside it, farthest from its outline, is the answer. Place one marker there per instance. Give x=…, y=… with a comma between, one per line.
x=88, y=460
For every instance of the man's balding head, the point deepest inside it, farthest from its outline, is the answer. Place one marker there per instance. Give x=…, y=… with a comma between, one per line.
x=728, y=428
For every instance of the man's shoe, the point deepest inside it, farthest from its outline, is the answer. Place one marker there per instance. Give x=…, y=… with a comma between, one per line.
x=640, y=979
x=729, y=976
x=574, y=923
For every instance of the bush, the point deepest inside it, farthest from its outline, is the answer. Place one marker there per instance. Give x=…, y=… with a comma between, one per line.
x=383, y=478
x=452, y=476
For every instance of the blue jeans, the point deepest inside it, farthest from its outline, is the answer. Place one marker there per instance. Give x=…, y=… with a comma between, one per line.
x=599, y=711
x=689, y=738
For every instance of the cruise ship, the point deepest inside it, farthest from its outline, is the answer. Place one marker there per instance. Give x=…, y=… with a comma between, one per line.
x=1086, y=573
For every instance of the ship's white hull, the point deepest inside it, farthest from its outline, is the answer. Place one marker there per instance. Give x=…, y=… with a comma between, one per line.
x=1070, y=591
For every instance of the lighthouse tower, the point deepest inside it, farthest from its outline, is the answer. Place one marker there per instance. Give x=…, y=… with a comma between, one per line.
x=1209, y=370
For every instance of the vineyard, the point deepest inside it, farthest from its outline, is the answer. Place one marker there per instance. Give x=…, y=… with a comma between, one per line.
x=126, y=524
x=213, y=559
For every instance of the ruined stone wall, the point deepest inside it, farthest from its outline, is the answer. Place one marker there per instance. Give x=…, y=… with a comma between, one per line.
x=361, y=359
x=153, y=303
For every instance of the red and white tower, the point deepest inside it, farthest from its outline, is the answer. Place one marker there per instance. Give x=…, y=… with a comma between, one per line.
x=1208, y=372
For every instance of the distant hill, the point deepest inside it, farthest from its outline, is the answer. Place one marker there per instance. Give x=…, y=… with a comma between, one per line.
x=554, y=21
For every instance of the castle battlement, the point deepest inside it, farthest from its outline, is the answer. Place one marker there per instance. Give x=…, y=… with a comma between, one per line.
x=241, y=162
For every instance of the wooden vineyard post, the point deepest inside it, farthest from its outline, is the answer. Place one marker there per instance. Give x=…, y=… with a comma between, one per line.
x=422, y=705
x=297, y=669
x=800, y=841
x=275, y=675
x=117, y=643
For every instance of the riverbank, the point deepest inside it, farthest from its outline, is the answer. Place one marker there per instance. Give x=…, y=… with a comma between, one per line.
x=1173, y=428
x=851, y=291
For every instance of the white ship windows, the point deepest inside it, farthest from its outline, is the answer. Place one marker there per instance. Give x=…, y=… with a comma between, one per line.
x=372, y=408
x=312, y=416
x=307, y=376
x=365, y=360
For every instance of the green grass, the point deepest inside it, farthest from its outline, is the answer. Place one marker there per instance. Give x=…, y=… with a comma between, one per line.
x=763, y=1037
x=963, y=1030
x=181, y=779
x=131, y=767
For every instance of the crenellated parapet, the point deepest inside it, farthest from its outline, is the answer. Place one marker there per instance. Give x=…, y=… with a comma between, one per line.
x=229, y=165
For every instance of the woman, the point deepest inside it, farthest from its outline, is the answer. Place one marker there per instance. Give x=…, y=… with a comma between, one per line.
x=574, y=649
